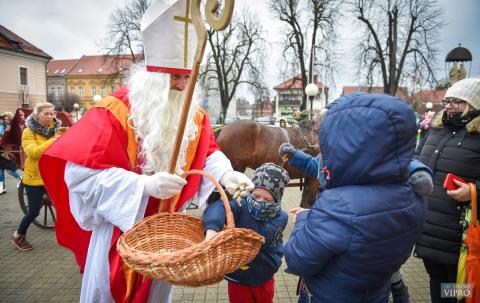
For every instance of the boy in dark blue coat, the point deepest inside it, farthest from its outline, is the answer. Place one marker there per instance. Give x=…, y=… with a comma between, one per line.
x=260, y=211
x=363, y=226
x=420, y=179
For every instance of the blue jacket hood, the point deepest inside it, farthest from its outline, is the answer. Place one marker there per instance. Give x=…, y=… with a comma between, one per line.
x=367, y=138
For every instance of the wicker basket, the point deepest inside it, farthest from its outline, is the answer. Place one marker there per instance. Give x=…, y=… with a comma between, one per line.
x=171, y=247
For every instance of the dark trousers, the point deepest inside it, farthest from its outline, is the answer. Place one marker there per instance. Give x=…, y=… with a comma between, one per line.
x=35, y=197
x=440, y=273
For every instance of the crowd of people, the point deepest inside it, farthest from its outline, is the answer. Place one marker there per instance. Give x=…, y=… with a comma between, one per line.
x=380, y=195
x=8, y=162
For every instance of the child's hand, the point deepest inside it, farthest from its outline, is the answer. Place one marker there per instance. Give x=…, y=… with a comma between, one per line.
x=210, y=234
x=295, y=211
x=422, y=182
x=286, y=150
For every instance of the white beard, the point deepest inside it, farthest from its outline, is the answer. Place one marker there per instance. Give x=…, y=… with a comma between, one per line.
x=155, y=112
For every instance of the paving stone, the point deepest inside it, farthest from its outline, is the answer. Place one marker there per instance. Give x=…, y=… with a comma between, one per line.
x=49, y=273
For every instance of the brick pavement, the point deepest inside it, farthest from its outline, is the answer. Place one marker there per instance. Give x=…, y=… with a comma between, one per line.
x=48, y=272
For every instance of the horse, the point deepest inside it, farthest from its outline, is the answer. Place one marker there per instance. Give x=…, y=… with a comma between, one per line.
x=247, y=143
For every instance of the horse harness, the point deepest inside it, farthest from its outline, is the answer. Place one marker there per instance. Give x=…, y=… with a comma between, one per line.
x=303, y=138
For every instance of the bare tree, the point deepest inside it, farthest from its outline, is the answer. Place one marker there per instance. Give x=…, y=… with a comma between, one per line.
x=63, y=103
x=51, y=98
x=400, y=39
x=123, y=32
x=310, y=25
x=69, y=101
x=236, y=58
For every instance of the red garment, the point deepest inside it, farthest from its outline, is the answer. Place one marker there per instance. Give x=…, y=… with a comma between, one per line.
x=96, y=141
x=239, y=293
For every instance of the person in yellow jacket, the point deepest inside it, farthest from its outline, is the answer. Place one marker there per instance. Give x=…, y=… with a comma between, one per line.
x=40, y=132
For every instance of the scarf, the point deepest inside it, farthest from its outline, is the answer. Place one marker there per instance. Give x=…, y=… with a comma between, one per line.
x=456, y=120
x=261, y=210
x=36, y=127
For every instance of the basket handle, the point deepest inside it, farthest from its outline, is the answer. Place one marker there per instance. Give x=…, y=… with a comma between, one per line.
x=226, y=202
x=473, y=201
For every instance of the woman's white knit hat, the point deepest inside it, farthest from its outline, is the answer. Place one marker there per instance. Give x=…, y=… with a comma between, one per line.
x=466, y=90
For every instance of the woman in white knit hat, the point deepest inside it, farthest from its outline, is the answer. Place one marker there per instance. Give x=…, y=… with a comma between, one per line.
x=451, y=146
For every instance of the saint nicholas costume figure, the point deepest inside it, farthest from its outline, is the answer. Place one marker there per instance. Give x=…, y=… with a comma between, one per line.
x=109, y=170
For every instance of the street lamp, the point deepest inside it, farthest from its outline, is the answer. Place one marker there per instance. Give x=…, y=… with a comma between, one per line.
x=311, y=90
x=97, y=98
x=76, y=107
x=429, y=106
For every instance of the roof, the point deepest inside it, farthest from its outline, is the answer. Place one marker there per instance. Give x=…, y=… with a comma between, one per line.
x=459, y=54
x=13, y=42
x=101, y=65
x=296, y=83
x=60, y=67
x=434, y=96
x=402, y=92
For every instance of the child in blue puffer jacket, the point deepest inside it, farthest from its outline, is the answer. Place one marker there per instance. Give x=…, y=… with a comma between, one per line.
x=420, y=177
x=364, y=224
x=260, y=211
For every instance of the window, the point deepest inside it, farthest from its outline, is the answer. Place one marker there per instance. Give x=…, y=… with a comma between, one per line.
x=104, y=91
x=59, y=91
x=80, y=91
x=112, y=88
x=72, y=90
x=94, y=90
x=23, y=76
x=52, y=91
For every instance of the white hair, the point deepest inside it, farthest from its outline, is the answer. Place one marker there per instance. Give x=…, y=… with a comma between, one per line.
x=155, y=112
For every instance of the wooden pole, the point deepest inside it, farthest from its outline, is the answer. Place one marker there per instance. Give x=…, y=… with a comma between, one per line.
x=218, y=22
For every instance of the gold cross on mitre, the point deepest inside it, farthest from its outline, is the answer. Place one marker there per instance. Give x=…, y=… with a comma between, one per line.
x=187, y=20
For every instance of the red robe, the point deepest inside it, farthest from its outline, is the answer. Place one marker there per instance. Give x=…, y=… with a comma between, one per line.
x=100, y=140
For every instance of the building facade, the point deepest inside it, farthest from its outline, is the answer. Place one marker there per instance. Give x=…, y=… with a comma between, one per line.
x=57, y=71
x=289, y=96
x=23, y=72
x=421, y=98
x=94, y=77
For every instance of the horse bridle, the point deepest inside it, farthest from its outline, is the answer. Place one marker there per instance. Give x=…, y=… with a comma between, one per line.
x=304, y=140
x=308, y=146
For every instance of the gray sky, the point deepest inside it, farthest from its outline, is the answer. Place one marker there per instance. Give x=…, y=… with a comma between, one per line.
x=68, y=29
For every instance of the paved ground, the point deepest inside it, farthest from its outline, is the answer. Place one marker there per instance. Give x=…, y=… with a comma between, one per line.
x=48, y=272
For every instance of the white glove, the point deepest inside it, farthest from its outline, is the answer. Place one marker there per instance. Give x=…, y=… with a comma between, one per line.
x=236, y=183
x=163, y=185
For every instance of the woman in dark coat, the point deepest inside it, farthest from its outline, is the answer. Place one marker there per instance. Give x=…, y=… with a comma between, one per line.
x=451, y=146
